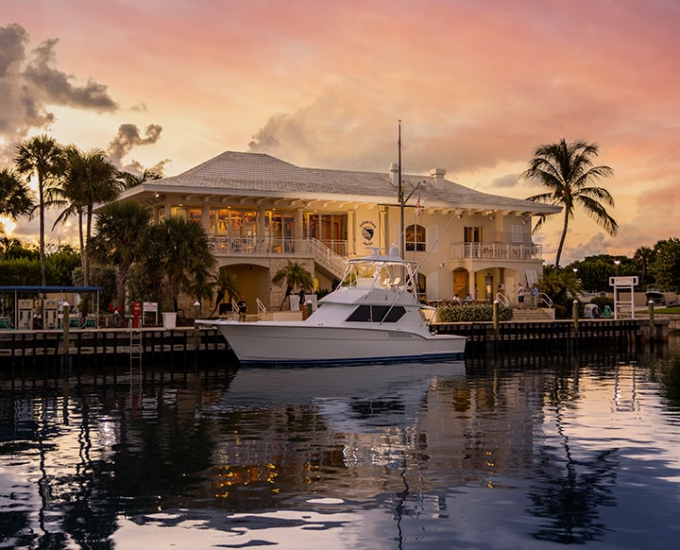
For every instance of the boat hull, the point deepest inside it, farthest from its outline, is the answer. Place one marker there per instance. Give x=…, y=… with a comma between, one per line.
x=264, y=343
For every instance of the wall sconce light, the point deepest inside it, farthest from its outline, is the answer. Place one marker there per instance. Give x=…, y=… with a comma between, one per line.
x=156, y=195
x=524, y=221
x=491, y=217
x=460, y=215
x=441, y=266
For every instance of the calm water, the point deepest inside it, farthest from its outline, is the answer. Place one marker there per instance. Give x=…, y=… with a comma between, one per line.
x=524, y=452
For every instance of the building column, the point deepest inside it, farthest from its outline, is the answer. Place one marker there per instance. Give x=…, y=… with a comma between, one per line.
x=472, y=284
x=205, y=219
x=299, y=224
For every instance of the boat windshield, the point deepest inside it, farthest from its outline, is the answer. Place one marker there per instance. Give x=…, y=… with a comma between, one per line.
x=376, y=314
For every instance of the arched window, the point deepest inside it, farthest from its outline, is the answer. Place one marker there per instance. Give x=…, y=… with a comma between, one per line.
x=415, y=238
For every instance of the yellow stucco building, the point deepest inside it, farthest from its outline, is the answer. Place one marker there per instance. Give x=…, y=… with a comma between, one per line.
x=260, y=212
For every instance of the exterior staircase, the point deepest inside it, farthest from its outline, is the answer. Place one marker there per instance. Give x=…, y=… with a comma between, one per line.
x=540, y=314
x=326, y=258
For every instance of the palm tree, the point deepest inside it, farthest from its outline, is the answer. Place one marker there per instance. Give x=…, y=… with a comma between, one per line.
x=295, y=275
x=15, y=197
x=228, y=285
x=43, y=157
x=129, y=179
x=567, y=170
x=186, y=259
x=120, y=239
x=89, y=179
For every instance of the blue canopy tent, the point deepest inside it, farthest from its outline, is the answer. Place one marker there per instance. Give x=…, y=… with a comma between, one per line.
x=23, y=290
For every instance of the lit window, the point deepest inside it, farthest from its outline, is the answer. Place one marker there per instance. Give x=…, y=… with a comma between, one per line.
x=415, y=238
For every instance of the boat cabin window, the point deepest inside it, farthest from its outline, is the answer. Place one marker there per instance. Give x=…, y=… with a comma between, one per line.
x=376, y=314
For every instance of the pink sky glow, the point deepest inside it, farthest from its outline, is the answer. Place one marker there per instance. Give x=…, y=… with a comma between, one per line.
x=478, y=85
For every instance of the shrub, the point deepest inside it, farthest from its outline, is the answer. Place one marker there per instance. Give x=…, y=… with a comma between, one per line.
x=602, y=301
x=469, y=314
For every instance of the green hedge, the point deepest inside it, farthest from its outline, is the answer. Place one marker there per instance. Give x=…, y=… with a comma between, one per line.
x=468, y=314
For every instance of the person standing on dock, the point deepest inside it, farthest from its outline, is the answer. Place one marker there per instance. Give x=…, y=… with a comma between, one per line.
x=242, y=309
x=520, y=295
x=534, y=296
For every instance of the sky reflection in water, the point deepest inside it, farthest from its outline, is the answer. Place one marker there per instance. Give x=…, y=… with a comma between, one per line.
x=511, y=453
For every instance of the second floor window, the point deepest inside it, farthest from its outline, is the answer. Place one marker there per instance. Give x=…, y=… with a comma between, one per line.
x=415, y=238
x=473, y=234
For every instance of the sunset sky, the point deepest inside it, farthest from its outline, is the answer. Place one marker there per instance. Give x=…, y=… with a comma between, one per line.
x=478, y=84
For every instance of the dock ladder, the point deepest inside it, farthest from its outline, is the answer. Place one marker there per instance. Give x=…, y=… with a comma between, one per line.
x=136, y=351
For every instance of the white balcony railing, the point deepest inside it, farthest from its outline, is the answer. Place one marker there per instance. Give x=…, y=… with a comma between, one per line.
x=496, y=251
x=329, y=254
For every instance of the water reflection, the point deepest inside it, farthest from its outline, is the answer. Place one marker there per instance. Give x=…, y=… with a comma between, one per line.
x=514, y=451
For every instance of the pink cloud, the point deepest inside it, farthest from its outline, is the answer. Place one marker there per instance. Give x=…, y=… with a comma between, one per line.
x=477, y=84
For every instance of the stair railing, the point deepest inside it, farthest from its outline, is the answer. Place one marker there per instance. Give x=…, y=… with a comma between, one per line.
x=543, y=297
x=502, y=299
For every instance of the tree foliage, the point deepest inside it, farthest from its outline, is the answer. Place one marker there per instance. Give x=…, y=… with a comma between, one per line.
x=567, y=171
x=666, y=266
x=120, y=239
x=182, y=253
x=293, y=275
x=562, y=285
x=15, y=196
x=42, y=157
x=594, y=272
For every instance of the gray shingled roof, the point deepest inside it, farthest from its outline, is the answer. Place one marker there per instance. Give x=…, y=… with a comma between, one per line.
x=236, y=173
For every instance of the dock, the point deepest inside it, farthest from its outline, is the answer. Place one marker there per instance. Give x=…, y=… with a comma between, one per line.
x=558, y=334
x=106, y=346
x=178, y=346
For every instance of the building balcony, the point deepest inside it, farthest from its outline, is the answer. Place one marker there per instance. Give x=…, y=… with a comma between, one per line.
x=496, y=251
x=273, y=246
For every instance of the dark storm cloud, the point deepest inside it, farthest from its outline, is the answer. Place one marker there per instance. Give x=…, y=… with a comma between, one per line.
x=31, y=82
x=128, y=137
x=61, y=89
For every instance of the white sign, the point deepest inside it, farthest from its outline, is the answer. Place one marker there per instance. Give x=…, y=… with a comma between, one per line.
x=623, y=281
x=150, y=306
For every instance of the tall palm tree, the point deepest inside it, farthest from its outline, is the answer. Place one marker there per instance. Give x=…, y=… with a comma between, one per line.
x=120, y=239
x=89, y=179
x=566, y=170
x=294, y=275
x=15, y=197
x=186, y=259
x=42, y=157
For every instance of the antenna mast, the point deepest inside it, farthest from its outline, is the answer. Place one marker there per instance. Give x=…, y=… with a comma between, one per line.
x=402, y=247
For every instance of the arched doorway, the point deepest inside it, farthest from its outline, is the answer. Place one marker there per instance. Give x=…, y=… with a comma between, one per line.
x=461, y=283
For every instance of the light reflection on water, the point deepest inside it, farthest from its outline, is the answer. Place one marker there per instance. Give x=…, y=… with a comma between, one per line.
x=516, y=452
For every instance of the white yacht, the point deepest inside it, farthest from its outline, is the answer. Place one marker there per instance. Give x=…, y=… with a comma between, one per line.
x=373, y=316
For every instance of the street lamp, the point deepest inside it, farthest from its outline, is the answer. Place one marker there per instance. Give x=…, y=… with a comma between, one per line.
x=618, y=263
